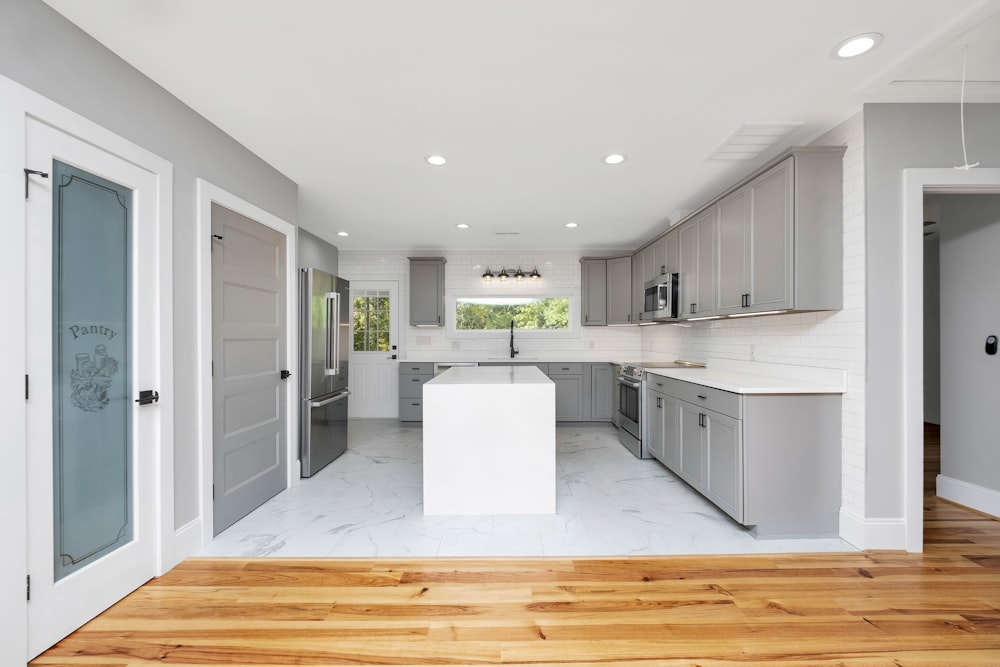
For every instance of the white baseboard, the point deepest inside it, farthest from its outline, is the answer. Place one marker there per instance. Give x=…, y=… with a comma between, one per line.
x=973, y=496
x=187, y=540
x=872, y=533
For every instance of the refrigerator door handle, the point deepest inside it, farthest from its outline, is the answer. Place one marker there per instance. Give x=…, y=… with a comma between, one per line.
x=332, y=333
x=327, y=401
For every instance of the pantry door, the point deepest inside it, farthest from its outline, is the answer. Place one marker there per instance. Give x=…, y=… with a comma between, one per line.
x=92, y=349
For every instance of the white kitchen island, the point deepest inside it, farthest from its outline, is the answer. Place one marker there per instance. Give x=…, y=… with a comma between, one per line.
x=489, y=441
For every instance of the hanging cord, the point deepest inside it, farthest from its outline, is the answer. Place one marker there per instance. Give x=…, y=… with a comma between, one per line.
x=961, y=111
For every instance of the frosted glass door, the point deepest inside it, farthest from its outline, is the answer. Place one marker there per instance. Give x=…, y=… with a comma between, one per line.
x=92, y=407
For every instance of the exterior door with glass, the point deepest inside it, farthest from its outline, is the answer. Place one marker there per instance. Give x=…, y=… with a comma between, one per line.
x=374, y=355
x=93, y=361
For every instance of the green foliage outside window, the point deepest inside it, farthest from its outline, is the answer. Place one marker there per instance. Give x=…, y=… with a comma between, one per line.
x=493, y=313
x=371, y=323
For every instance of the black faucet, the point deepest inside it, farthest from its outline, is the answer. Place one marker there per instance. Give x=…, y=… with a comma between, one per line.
x=513, y=350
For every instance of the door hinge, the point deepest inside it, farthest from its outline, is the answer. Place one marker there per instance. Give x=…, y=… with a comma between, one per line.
x=31, y=172
x=28, y=591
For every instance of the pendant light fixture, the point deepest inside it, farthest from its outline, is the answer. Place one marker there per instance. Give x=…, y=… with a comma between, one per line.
x=503, y=274
x=488, y=276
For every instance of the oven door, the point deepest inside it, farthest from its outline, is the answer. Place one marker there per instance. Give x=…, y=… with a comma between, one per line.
x=630, y=414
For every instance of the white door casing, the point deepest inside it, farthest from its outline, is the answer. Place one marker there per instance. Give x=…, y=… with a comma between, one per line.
x=58, y=607
x=374, y=375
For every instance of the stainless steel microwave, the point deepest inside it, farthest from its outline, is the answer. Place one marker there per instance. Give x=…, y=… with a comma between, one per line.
x=660, y=297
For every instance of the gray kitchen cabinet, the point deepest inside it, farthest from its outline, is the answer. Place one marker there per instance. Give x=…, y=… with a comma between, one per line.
x=638, y=283
x=594, y=279
x=770, y=461
x=568, y=379
x=755, y=244
x=598, y=393
x=412, y=377
x=427, y=291
x=697, y=266
x=665, y=254
x=619, y=291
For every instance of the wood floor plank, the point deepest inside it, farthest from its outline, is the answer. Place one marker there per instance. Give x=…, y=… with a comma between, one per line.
x=876, y=608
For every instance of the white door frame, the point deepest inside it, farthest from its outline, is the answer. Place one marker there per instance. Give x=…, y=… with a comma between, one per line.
x=915, y=183
x=16, y=104
x=207, y=193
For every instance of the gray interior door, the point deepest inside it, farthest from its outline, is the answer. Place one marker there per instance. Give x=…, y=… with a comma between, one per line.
x=248, y=346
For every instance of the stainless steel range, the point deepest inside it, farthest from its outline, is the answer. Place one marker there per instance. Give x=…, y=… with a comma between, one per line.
x=631, y=383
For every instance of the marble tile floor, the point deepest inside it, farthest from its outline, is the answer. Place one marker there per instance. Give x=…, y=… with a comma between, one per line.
x=368, y=503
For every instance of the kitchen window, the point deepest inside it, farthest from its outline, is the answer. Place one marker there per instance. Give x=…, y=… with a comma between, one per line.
x=535, y=315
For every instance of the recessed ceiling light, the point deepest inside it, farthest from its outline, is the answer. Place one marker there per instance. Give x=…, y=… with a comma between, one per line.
x=572, y=225
x=436, y=160
x=857, y=45
x=342, y=234
x=614, y=158
x=462, y=225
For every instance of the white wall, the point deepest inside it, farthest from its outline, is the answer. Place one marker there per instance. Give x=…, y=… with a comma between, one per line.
x=560, y=271
x=824, y=339
x=970, y=311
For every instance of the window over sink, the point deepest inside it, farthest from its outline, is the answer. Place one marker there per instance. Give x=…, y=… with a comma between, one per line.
x=534, y=315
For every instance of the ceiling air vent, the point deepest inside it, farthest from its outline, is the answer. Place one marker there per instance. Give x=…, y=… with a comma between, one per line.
x=752, y=139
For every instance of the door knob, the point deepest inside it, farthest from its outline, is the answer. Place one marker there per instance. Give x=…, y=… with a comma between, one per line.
x=286, y=374
x=147, y=396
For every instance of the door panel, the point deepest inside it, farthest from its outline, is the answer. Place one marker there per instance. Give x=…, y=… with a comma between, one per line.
x=91, y=448
x=374, y=373
x=248, y=346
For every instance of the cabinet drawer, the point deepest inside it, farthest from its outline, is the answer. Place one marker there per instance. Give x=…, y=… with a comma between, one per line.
x=411, y=409
x=412, y=386
x=416, y=367
x=566, y=369
x=717, y=400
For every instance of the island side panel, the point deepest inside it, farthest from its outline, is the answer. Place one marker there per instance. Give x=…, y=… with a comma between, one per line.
x=489, y=448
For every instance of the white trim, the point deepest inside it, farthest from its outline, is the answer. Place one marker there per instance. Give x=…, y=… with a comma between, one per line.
x=16, y=104
x=974, y=496
x=187, y=539
x=207, y=194
x=872, y=533
x=915, y=183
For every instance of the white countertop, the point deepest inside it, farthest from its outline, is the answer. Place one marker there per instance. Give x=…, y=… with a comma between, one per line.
x=497, y=375
x=751, y=377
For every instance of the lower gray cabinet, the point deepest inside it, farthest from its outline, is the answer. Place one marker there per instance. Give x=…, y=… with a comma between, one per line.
x=412, y=377
x=599, y=403
x=568, y=379
x=770, y=461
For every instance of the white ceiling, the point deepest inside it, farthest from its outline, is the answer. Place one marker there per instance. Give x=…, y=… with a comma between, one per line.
x=525, y=97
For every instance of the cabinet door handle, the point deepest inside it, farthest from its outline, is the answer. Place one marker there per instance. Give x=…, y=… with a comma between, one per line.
x=659, y=402
x=702, y=397
x=701, y=419
x=693, y=309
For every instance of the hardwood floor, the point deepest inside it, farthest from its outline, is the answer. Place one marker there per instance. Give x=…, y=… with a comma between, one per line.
x=941, y=607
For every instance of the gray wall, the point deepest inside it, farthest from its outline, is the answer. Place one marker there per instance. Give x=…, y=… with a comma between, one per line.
x=897, y=137
x=970, y=311
x=315, y=253
x=42, y=51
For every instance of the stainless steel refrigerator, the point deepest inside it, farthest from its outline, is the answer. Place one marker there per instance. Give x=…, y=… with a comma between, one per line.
x=323, y=352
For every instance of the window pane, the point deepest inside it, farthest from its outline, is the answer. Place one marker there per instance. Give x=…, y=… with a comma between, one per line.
x=496, y=313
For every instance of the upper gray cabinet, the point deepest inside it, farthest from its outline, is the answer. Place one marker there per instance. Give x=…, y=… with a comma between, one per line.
x=594, y=279
x=619, y=292
x=774, y=243
x=427, y=291
x=607, y=291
